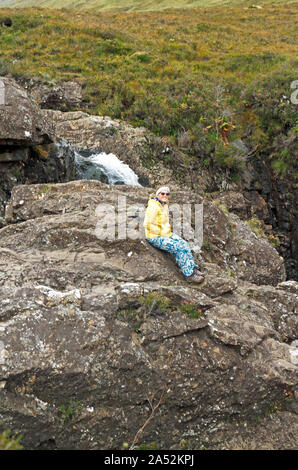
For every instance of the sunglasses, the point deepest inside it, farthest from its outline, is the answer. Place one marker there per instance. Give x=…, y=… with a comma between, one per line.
x=165, y=194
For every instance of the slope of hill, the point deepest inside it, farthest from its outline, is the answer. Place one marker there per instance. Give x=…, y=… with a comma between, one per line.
x=191, y=71
x=136, y=5
x=172, y=72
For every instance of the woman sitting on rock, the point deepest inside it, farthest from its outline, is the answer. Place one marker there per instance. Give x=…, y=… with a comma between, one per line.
x=158, y=234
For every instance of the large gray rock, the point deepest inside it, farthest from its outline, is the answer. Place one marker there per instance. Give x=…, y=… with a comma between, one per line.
x=21, y=122
x=28, y=153
x=94, y=332
x=234, y=246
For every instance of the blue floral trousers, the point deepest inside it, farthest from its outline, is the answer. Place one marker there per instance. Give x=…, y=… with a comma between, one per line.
x=179, y=248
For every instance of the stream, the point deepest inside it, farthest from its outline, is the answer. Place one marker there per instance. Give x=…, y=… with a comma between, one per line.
x=107, y=168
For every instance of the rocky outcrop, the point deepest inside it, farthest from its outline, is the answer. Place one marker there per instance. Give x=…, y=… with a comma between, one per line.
x=94, y=332
x=37, y=164
x=21, y=123
x=274, y=200
x=29, y=150
x=273, y=207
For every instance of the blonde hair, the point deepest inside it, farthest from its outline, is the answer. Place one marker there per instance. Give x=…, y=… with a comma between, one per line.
x=163, y=189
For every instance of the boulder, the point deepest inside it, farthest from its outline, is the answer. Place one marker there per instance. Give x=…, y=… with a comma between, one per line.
x=235, y=247
x=281, y=303
x=253, y=257
x=21, y=123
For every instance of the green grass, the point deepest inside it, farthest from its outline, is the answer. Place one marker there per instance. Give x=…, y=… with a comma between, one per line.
x=9, y=442
x=136, y=5
x=212, y=75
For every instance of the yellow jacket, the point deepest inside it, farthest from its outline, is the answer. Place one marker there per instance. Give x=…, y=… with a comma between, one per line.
x=156, y=220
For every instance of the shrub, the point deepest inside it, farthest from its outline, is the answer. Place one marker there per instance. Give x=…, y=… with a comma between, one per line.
x=190, y=309
x=150, y=304
x=226, y=157
x=5, y=67
x=257, y=226
x=112, y=46
x=9, y=442
x=70, y=411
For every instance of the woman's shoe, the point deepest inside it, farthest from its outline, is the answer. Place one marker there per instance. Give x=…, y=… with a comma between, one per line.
x=197, y=277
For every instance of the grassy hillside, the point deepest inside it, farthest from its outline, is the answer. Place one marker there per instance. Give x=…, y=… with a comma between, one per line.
x=135, y=5
x=202, y=77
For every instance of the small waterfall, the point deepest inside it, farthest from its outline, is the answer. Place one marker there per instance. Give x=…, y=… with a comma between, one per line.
x=104, y=167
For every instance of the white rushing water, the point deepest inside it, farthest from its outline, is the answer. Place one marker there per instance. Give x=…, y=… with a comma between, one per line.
x=105, y=167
